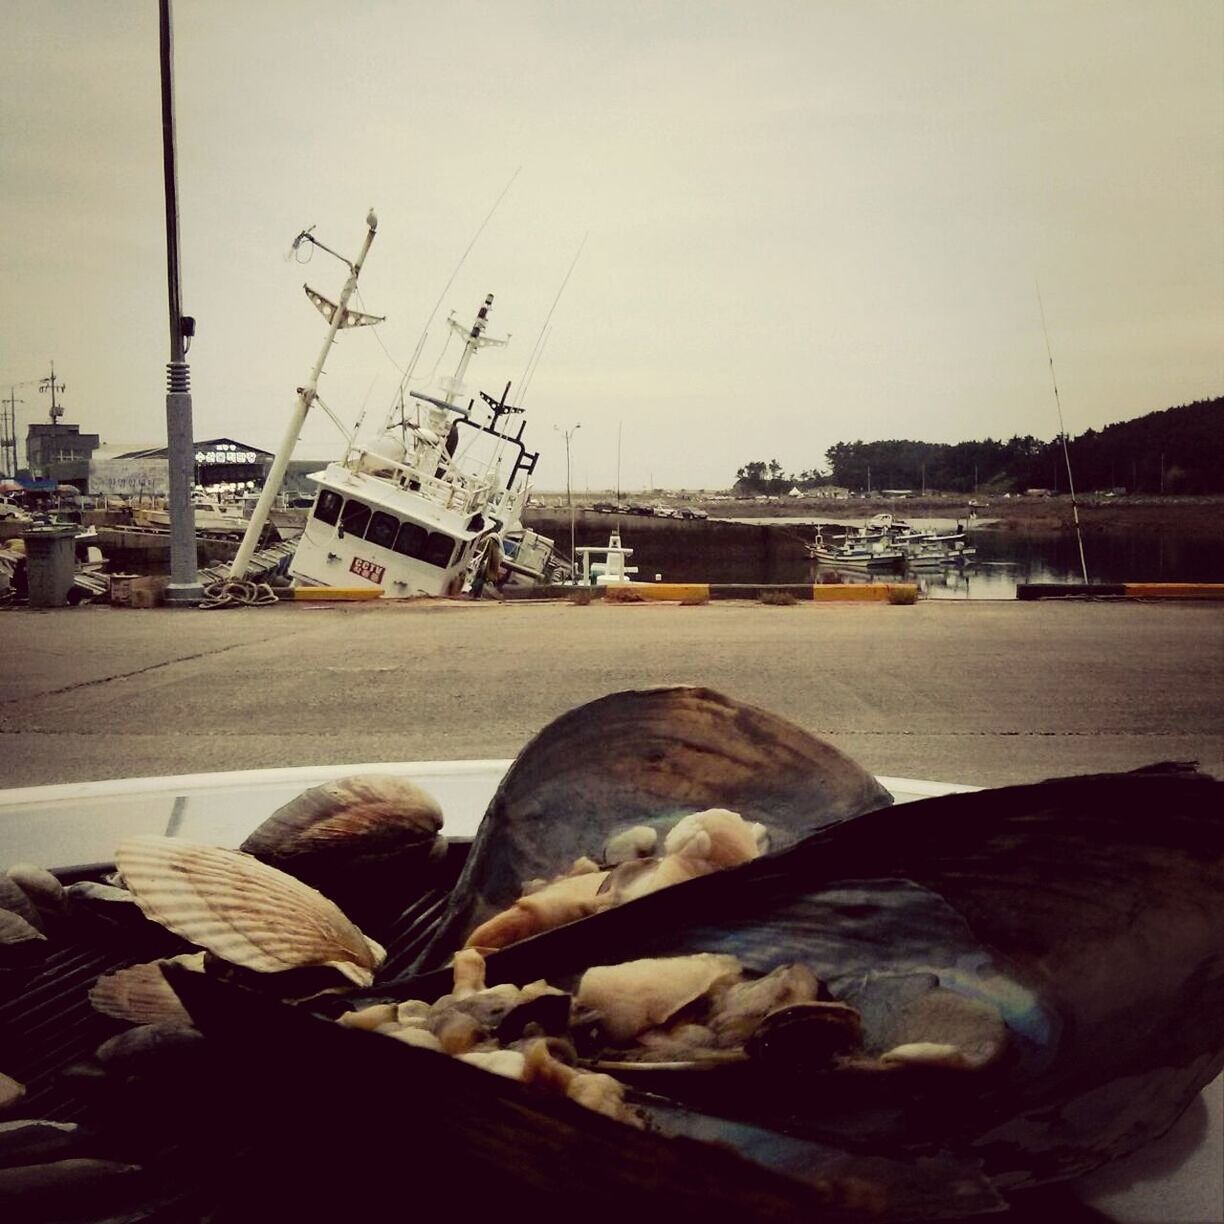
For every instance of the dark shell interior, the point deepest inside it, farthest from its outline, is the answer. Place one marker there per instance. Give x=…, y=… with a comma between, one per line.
x=645, y=757
x=1085, y=909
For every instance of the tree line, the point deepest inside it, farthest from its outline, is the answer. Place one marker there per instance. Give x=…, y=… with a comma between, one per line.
x=1178, y=450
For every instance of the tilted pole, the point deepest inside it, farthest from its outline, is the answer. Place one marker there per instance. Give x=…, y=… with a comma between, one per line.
x=306, y=397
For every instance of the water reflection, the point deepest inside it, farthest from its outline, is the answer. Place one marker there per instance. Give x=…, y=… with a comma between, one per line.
x=1006, y=558
x=761, y=551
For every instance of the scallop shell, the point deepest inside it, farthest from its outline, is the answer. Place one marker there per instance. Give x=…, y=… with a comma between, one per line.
x=141, y=994
x=242, y=910
x=640, y=759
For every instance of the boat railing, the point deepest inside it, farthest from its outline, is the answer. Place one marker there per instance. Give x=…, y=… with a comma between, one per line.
x=454, y=491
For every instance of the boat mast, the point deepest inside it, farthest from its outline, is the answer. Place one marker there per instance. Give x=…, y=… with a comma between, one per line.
x=337, y=316
x=1062, y=433
x=474, y=341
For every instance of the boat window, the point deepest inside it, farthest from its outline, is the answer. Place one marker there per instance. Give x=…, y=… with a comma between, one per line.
x=411, y=540
x=439, y=550
x=327, y=508
x=354, y=517
x=432, y=547
x=382, y=530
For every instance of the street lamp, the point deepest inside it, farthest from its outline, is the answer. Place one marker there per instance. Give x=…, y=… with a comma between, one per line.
x=184, y=589
x=567, y=434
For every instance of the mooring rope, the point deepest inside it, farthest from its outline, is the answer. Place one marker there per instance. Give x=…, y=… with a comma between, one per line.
x=231, y=594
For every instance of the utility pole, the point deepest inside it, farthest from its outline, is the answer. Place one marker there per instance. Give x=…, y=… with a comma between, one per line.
x=8, y=433
x=567, y=434
x=184, y=588
x=57, y=411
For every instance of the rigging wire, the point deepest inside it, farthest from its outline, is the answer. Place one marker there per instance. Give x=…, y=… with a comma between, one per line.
x=455, y=273
x=335, y=420
x=1062, y=433
x=548, y=318
x=530, y=373
x=381, y=345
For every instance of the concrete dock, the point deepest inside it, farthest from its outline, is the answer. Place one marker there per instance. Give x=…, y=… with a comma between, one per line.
x=976, y=692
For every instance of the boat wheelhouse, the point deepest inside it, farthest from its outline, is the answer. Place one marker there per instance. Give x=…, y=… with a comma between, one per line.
x=414, y=512
x=606, y=566
x=365, y=530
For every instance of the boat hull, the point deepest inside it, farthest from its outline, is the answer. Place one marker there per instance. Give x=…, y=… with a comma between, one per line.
x=883, y=563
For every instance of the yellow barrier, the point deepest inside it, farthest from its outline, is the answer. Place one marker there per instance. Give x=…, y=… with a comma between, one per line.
x=323, y=592
x=666, y=590
x=876, y=592
x=869, y=592
x=1174, y=590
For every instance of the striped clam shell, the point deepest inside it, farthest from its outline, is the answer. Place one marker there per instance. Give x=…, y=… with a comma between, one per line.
x=141, y=994
x=368, y=814
x=242, y=910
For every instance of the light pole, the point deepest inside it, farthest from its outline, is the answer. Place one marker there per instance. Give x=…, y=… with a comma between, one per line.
x=567, y=434
x=184, y=589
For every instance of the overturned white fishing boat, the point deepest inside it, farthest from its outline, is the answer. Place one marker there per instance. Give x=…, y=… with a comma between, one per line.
x=403, y=513
x=432, y=506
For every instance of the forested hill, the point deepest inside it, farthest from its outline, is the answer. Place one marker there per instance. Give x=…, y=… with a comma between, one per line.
x=1179, y=450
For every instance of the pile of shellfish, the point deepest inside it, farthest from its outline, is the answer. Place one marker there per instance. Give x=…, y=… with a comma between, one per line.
x=686, y=932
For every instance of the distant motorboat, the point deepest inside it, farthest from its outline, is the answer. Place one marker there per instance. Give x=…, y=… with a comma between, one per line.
x=606, y=566
x=851, y=552
x=211, y=516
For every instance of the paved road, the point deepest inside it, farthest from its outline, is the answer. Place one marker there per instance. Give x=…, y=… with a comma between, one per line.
x=986, y=693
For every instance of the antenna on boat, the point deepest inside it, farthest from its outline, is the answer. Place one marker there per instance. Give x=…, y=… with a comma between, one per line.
x=1062, y=433
x=337, y=315
x=474, y=341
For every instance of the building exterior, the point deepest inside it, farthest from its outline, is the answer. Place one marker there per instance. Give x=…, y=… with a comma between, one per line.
x=220, y=463
x=59, y=451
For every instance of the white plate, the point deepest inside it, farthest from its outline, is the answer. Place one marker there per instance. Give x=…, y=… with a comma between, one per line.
x=82, y=822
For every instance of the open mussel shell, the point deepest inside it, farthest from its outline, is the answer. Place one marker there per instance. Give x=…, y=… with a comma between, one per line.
x=1084, y=911
x=298, y=1091
x=645, y=758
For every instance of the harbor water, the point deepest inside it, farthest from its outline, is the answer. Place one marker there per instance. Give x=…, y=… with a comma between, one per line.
x=773, y=551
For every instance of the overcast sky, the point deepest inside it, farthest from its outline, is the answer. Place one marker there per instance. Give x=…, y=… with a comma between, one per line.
x=808, y=222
